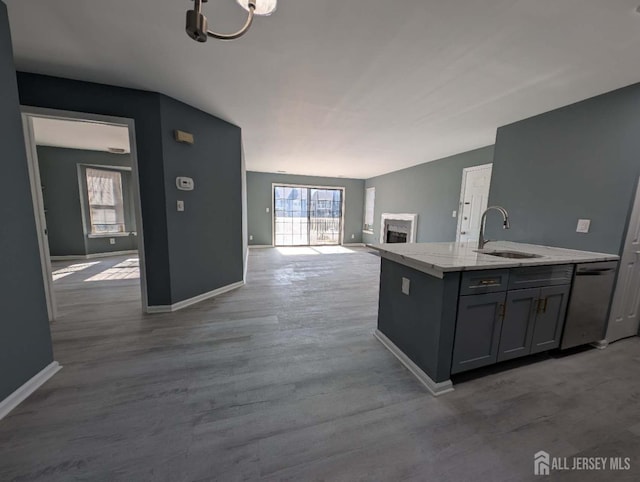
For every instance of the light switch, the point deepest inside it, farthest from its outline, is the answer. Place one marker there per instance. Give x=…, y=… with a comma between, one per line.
x=251, y=237
x=583, y=225
x=353, y=236
x=454, y=214
x=406, y=285
x=267, y=209
x=180, y=206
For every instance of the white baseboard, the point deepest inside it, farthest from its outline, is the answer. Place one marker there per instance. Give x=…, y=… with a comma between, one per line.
x=74, y=257
x=113, y=253
x=600, y=345
x=436, y=388
x=21, y=394
x=246, y=267
x=192, y=301
x=71, y=257
x=346, y=245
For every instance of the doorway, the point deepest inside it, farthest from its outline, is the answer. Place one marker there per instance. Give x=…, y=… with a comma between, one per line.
x=474, y=197
x=624, y=319
x=307, y=215
x=84, y=180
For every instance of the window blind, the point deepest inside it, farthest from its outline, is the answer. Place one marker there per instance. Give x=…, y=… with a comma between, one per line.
x=106, y=203
x=369, y=206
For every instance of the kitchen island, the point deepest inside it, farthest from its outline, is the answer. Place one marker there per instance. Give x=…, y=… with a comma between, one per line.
x=446, y=308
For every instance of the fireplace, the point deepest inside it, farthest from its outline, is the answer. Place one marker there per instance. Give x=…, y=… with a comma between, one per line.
x=396, y=237
x=397, y=231
x=398, y=228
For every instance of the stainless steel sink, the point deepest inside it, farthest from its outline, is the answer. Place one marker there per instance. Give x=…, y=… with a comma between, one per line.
x=509, y=254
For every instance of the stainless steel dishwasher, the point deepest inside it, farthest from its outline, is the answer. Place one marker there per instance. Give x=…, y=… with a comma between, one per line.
x=589, y=304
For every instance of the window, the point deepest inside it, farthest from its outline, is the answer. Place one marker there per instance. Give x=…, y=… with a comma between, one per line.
x=369, y=203
x=106, y=204
x=307, y=215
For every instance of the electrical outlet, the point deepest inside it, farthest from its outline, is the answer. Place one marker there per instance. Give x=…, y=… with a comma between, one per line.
x=112, y=240
x=180, y=206
x=267, y=209
x=406, y=286
x=353, y=236
x=583, y=225
x=251, y=237
x=454, y=214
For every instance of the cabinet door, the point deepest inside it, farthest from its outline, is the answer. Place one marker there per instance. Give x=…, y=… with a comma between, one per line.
x=518, y=323
x=550, y=318
x=477, y=331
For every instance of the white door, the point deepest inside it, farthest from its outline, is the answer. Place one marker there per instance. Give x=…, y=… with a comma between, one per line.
x=624, y=320
x=474, y=197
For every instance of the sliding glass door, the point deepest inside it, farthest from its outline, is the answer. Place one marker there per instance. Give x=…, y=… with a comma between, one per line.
x=307, y=216
x=325, y=216
x=291, y=216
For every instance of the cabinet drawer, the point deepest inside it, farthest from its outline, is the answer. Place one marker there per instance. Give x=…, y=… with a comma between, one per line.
x=538, y=276
x=487, y=281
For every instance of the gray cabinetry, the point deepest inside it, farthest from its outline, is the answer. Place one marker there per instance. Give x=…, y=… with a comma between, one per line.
x=527, y=318
x=517, y=327
x=533, y=321
x=478, y=331
x=550, y=318
x=478, y=282
x=537, y=276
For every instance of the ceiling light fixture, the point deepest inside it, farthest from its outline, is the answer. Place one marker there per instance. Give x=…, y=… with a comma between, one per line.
x=197, y=25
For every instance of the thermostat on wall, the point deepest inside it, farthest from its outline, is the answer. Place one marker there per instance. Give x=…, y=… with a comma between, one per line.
x=185, y=183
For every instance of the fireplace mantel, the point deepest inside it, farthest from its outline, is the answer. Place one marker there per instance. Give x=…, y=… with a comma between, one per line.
x=387, y=217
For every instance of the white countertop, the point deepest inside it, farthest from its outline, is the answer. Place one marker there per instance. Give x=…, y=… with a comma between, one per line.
x=439, y=258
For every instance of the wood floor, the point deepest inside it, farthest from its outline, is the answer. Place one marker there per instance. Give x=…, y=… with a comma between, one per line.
x=283, y=380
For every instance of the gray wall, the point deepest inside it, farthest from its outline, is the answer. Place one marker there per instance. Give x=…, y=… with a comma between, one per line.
x=173, y=244
x=62, y=201
x=259, y=193
x=432, y=190
x=581, y=161
x=144, y=108
x=25, y=340
x=205, y=240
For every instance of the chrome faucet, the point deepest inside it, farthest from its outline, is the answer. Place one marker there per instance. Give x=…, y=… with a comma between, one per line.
x=483, y=221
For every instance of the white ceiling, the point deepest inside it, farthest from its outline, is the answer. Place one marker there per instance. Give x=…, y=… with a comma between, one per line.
x=80, y=135
x=351, y=88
